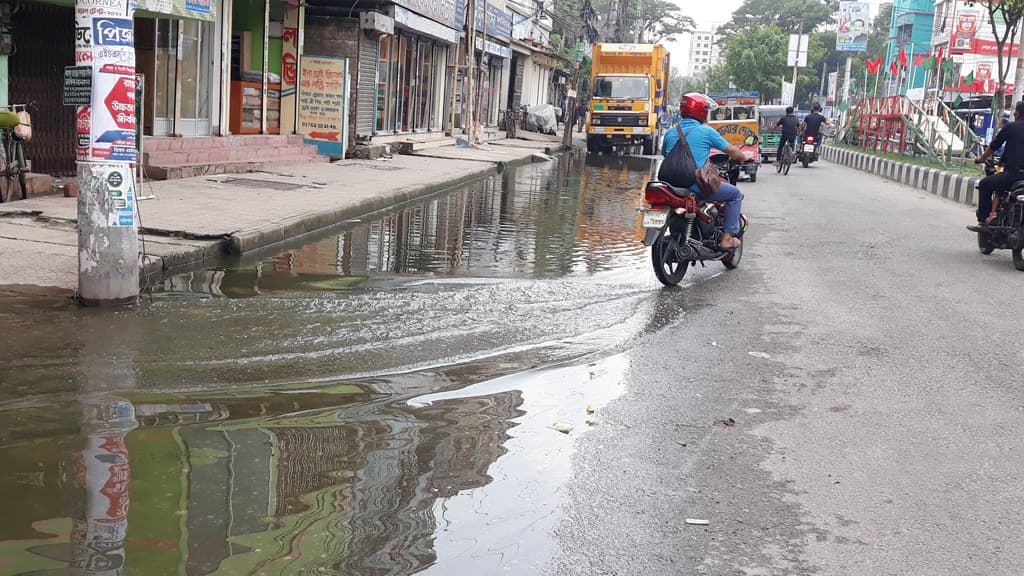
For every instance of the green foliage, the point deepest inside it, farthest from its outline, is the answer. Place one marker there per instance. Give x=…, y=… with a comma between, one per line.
x=787, y=15
x=756, y=60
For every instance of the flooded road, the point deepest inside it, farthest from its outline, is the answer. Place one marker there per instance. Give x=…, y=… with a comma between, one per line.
x=377, y=400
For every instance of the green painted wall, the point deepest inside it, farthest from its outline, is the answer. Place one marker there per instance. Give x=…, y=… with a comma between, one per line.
x=4, y=88
x=275, y=52
x=248, y=17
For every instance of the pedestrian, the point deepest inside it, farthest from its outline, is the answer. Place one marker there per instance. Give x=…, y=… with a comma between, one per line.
x=581, y=115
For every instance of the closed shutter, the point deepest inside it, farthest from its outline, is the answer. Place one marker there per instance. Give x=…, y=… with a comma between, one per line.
x=519, y=69
x=366, y=91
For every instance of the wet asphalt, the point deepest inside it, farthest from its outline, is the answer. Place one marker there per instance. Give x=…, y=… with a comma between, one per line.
x=384, y=399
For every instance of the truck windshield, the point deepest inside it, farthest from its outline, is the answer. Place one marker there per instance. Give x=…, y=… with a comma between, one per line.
x=622, y=88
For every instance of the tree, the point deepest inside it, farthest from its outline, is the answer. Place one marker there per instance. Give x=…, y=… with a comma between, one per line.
x=755, y=59
x=1004, y=17
x=791, y=16
x=660, y=20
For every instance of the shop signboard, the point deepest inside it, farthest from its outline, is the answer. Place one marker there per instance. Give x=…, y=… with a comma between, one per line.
x=499, y=22
x=77, y=85
x=195, y=9
x=404, y=17
x=112, y=133
x=323, y=103
x=854, y=25
x=289, y=68
x=444, y=11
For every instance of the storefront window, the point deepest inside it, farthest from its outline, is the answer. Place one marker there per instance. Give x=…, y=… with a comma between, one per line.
x=409, y=85
x=383, y=77
x=401, y=89
x=426, y=85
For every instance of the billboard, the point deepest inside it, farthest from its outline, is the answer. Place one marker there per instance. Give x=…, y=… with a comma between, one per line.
x=854, y=26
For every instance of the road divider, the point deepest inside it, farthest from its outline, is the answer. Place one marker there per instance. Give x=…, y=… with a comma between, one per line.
x=956, y=187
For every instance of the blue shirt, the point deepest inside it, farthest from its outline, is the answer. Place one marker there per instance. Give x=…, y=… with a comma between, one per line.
x=701, y=137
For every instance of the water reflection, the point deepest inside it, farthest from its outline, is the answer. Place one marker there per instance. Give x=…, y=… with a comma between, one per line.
x=545, y=220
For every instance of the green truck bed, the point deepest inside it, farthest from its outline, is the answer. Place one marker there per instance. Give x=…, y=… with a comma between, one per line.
x=769, y=145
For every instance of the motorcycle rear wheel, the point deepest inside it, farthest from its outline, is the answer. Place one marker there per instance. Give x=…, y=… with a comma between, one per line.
x=1018, y=250
x=985, y=243
x=667, y=267
x=733, y=260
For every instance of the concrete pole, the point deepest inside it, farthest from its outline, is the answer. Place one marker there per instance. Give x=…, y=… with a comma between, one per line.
x=108, y=243
x=1018, y=78
x=470, y=78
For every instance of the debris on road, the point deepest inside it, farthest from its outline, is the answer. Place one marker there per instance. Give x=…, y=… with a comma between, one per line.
x=751, y=410
x=726, y=422
x=761, y=355
x=697, y=522
x=590, y=408
x=563, y=427
x=592, y=422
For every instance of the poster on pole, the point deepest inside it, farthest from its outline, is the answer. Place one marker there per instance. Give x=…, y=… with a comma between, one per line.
x=119, y=181
x=833, y=86
x=788, y=92
x=796, y=55
x=112, y=133
x=323, y=106
x=854, y=25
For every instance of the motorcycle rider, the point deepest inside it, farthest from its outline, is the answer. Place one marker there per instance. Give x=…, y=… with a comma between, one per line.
x=1011, y=138
x=790, y=125
x=693, y=112
x=811, y=126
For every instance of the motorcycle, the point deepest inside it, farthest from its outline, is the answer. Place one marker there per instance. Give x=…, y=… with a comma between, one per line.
x=682, y=230
x=1006, y=231
x=807, y=151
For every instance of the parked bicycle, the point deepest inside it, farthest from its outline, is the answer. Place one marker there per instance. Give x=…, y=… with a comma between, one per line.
x=787, y=158
x=15, y=130
x=511, y=122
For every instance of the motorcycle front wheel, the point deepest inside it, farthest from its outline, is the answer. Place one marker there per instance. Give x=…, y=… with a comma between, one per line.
x=667, y=267
x=985, y=243
x=1018, y=250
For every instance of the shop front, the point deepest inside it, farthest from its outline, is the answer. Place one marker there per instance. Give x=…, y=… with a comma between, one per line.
x=175, y=48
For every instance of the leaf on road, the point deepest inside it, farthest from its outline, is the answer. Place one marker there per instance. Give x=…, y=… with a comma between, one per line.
x=563, y=427
x=726, y=422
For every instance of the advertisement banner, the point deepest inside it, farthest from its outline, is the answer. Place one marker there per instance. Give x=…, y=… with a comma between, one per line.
x=120, y=183
x=796, y=55
x=854, y=26
x=289, y=68
x=112, y=135
x=833, y=88
x=194, y=9
x=965, y=30
x=323, y=110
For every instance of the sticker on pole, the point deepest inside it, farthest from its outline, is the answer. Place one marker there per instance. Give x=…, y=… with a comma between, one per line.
x=120, y=186
x=112, y=133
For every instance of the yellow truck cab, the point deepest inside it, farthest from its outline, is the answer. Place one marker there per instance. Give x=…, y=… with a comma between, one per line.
x=628, y=87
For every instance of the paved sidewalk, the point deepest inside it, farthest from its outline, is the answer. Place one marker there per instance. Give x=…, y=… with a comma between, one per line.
x=186, y=222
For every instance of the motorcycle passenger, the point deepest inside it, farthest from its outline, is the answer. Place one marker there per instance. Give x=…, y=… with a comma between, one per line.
x=1011, y=139
x=790, y=125
x=693, y=112
x=811, y=126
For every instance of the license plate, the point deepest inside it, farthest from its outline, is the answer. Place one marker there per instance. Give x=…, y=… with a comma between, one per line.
x=655, y=218
x=808, y=147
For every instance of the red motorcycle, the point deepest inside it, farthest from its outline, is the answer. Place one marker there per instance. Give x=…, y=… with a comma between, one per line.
x=807, y=150
x=682, y=230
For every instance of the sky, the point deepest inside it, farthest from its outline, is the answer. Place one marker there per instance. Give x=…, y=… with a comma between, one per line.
x=709, y=15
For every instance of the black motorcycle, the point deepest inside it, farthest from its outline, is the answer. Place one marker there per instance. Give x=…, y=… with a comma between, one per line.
x=1006, y=230
x=807, y=149
x=682, y=230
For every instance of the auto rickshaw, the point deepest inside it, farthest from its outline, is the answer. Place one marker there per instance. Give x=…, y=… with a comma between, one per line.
x=737, y=120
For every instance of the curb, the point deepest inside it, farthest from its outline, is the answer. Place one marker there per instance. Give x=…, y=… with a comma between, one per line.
x=244, y=241
x=956, y=187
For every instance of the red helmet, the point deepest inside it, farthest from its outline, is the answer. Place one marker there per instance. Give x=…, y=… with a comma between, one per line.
x=696, y=105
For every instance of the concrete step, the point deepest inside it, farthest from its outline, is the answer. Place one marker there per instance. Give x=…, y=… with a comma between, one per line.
x=170, y=144
x=212, y=155
x=189, y=170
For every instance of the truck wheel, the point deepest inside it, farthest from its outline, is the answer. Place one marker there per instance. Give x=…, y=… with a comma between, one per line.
x=591, y=145
x=649, y=146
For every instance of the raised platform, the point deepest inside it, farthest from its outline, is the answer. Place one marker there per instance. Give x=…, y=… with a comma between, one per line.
x=173, y=158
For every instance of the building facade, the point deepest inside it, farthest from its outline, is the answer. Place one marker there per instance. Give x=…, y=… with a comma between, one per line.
x=535, y=80
x=910, y=30
x=704, y=52
x=962, y=30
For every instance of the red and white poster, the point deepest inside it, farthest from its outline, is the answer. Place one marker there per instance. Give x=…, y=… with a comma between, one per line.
x=112, y=137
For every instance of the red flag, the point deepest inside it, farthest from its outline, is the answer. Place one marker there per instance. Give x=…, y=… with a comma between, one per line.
x=893, y=69
x=872, y=66
x=918, y=59
x=878, y=62
x=903, y=57
x=938, y=57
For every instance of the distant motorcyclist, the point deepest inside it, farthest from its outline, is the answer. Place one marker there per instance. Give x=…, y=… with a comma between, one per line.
x=1011, y=139
x=811, y=126
x=790, y=125
x=693, y=112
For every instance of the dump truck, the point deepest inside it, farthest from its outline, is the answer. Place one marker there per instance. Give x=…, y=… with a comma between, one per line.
x=628, y=85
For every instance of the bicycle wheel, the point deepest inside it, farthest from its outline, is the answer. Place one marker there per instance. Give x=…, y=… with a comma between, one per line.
x=19, y=156
x=788, y=162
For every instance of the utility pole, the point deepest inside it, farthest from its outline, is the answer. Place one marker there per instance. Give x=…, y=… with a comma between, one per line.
x=470, y=77
x=108, y=243
x=1018, y=79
